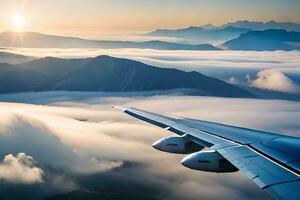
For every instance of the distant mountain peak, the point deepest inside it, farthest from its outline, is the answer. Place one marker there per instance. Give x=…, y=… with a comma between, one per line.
x=104, y=57
x=208, y=26
x=51, y=58
x=194, y=27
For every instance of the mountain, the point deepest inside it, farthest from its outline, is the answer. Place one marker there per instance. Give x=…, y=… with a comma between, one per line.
x=183, y=32
x=202, y=34
x=288, y=26
x=208, y=26
x=53, y=67
x=38, y=40
x=15, y=79
x=268, y=40
x=229, y=31
x=105, y=73
x=13, y=58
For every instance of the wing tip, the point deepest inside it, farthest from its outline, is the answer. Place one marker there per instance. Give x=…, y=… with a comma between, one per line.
x=123, y=108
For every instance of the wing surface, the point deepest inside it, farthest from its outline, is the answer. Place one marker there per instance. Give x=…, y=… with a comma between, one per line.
x=271, y=160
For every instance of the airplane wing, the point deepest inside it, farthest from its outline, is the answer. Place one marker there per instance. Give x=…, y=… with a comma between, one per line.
x=271, y=160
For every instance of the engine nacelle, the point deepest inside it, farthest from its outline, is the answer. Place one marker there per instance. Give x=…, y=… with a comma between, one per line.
x=209, y=161
x=177, y=144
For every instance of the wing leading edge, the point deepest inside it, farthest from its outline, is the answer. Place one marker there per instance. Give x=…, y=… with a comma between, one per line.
x=271, y=160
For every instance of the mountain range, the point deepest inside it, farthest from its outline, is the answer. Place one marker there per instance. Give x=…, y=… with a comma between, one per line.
x=240, y=35
x=105, y=73
x=230, y=30
x=39, y=40
x=268, y=40
x=212, y=34
x=203, y=34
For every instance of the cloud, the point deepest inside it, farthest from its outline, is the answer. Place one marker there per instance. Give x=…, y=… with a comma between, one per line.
x=81, y=142
x=35, y=135
x=20, y=169
x=275, y=80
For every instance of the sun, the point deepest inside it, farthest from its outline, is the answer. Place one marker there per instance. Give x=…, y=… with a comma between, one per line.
x=18, y=22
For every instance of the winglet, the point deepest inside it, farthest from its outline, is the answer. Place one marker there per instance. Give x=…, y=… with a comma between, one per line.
x=120, y=108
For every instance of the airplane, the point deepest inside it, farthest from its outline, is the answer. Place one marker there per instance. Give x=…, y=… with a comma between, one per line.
x=270, y=160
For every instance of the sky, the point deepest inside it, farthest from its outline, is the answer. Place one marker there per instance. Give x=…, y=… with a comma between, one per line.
x=139, y=15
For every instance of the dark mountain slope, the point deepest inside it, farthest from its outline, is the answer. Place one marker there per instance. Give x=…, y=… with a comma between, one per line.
x=53, y=67
x=15, y=79
x=106, y=73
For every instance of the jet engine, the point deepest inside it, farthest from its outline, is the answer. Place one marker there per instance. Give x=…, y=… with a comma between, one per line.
x=209, y=161
x=177, y=144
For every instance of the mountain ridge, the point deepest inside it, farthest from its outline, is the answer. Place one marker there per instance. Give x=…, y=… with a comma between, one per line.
x=267, y=40
x=200, y=33
x=105, y=73
x=226, y=32
x=40, y=40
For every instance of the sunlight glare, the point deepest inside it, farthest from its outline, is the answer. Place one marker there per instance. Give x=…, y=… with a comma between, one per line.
x=18, y=22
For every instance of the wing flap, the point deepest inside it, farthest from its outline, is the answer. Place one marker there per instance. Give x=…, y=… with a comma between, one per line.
x=258, y=168
x=285, y=191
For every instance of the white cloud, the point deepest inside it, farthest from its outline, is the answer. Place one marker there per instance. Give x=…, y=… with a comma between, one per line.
x=275, y=80
x=84, y=135
x=35, y=134
x=20, y=169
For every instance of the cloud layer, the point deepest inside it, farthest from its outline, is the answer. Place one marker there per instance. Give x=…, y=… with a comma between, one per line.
x=79, y=141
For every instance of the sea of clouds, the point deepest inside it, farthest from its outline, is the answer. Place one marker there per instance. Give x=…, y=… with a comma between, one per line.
x=271, y=70
x=55, y=142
